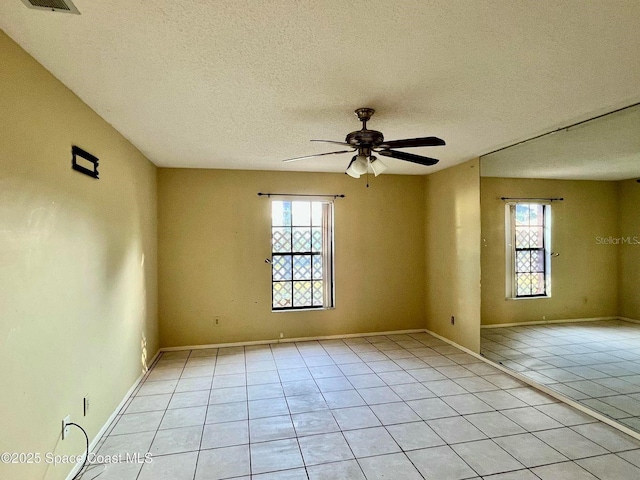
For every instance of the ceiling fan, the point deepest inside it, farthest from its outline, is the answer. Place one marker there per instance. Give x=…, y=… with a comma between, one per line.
x=366, y=142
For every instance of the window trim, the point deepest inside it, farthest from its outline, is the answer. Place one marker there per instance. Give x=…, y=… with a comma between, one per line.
x=510, y=251
x=328, y=254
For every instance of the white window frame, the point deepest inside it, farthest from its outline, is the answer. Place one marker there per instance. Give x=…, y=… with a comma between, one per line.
x=328, y=254
x=510, y=251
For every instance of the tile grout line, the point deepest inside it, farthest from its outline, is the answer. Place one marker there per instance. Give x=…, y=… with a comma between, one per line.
x=331, y=410
x=599, y=413
x=303, y=358
x=165, y=411
x=206, y=412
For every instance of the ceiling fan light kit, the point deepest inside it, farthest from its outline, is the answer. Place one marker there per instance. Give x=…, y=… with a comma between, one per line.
x=352, y=171
x=377, y=166
x=360, y=165
x=365, y=142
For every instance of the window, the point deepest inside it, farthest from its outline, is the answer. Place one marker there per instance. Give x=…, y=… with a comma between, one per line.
x=302, y=255
x=528, y=254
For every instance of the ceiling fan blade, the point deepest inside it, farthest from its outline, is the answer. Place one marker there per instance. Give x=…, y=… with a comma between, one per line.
x=316, y=155
x=409, y=157
x=334, y=142
x=413, y=142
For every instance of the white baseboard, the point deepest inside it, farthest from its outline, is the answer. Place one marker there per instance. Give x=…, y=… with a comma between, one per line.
x=545, y=322
x=522, y=378
x=454, y=344
x=625, y=319
x=290, y=340
x=112, y=417
x=135, y=385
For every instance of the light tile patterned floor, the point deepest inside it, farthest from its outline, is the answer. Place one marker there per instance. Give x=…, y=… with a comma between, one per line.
x=384, y=407
x=594, y=363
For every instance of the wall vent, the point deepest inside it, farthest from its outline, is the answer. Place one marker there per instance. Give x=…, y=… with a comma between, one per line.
x=65, y=6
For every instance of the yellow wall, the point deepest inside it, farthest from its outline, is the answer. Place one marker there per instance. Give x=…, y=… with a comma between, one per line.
x=584, y=276
x=78, y=310
x=453, y=253
x=629, y=253
x=214, y=235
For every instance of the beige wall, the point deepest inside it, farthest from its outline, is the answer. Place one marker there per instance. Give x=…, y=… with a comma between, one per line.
x=77, y=266
x=584, y=275
x=452, y=221
x=214, y=235
x=629, y=253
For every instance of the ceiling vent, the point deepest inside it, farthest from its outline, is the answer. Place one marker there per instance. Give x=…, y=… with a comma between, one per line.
x=65, y=6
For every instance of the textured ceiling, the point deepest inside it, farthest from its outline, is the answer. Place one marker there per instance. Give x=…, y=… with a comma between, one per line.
x=606, y=148
x=245, y=84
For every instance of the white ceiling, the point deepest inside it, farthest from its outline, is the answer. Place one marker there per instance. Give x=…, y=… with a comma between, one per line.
x=606, y=148
x=245, y=84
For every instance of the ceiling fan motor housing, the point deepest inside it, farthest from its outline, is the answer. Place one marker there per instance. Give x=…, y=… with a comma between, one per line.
x=366, y=142
x=365, y=138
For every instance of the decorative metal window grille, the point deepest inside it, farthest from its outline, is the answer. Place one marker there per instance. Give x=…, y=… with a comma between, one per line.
x=530, y=238
x=302, y=254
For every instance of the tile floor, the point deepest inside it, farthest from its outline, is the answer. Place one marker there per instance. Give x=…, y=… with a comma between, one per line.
x=384, y=407
x=594, y=363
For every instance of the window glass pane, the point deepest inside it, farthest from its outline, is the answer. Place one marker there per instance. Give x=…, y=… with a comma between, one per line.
x=317, y=267
x=276, y=213
x=301, y=239
x=316, y=239
x=536, y=214
x=302, y=267
x=530, y=284
x=302, y=294
x=282, y=295
x=316, y=214
x=280, y=214
x=318, y=293
x=537, y=284
x=281, y=239
x=522, y=214
x=537, y=261
x=524, y=284
x=522, y=237
x=281, y=267
x=523, y=261
x=536, y=237
x=301, y=213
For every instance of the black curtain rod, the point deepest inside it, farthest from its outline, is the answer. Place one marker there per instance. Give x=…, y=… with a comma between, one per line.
x=559, y=199
x=260, y=194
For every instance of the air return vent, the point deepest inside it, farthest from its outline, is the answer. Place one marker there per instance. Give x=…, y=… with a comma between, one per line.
x=65, y=6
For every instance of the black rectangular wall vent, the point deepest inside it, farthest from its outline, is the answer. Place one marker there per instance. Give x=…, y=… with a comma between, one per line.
x=82, y=161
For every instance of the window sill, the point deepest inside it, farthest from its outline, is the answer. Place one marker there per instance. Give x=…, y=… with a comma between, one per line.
x=541, y=297
x=309, y=309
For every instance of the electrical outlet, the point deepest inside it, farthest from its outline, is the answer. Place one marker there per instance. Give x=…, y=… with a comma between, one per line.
x=216, y=320
x=453, y=320
x=65, y=426
x=281, y=335
x=86, y=405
